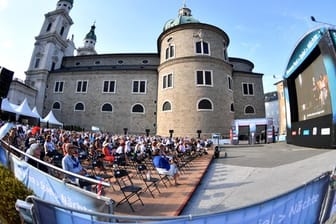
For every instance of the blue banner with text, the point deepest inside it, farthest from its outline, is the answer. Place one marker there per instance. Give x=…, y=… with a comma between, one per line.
x=56, y=191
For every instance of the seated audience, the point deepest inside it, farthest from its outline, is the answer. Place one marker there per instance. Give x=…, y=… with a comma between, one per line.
x=107, y=153
x=49, y=147
x=72, y=164
x=33, y=150
x=164, y=165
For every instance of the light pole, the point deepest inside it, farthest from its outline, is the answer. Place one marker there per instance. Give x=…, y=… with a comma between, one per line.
x=171, y=133
x=316, y=21
x=147, y=132
x=199, y=133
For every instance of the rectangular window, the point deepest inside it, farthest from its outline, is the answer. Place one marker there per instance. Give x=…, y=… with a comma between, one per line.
x=109, y=86
x=164, y=85
x=58, y=87
x=248, y=89
x=199, y=47
x=170, y=51
x=139, y=86
x=202, y=47
x=82, y=86
x=37, y=63
x=205, y=48
x=167, y=53
x=229, y=82
x=204, y=78
x=200, y=78
x=207, y=76
x=167, y=81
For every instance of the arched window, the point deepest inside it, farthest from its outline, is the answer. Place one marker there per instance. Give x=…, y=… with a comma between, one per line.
x=204, y=104
x=249, y=110
x=138, y=108
x=107, y=107
x=166, y=106
x=232, y=107
x=56, y=106
x=229, y=79
x=79, y=107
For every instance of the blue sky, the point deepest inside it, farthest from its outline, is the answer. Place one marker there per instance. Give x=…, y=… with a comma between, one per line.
x=262, y=31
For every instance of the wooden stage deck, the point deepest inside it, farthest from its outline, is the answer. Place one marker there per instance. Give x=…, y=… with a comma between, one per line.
x=171, y=200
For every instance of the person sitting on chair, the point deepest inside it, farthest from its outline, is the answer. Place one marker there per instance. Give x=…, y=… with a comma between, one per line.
x=33, y=150
x=164, y=166
x=72, y=164
x=107, y=153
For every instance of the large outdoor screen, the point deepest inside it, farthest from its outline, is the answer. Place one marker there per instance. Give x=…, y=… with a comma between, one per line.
x=312, y=91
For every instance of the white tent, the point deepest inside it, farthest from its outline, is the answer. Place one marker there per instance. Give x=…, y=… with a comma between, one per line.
x=5, y=129
x=25, y=110
x=7, y=106
x=51, y=119
x=36, y=113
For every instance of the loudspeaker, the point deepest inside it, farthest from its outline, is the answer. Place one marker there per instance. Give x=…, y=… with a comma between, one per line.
x=6, y=77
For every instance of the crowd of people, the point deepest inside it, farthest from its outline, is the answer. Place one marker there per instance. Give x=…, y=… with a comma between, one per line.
x=72, y=147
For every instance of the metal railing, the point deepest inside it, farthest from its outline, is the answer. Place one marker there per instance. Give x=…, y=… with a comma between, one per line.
x=51, y=167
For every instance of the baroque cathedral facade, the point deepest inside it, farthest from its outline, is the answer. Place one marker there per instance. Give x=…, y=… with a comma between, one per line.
x=189, y=87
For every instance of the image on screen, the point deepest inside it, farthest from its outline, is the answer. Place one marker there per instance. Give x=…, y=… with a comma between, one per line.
x=312, y=91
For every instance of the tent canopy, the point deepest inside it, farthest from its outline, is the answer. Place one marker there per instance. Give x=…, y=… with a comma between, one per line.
x=7, y=106
x=25, y=110
x=51, y=119
x=36, y=112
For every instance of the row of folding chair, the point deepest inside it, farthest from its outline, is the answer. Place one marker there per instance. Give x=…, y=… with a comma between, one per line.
x=146, y=172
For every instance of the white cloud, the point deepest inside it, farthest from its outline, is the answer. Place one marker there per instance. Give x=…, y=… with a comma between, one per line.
x=3, y=4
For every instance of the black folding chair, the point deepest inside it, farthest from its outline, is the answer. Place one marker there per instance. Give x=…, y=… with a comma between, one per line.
x=164, y=178
x=102, y=172
x=150, y=182
x=128, y=189
x=56, y=160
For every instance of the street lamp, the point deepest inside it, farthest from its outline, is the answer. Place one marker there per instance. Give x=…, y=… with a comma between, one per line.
x=125, y=131
x=199, y=133
x=316, y=21
x=171, y=133
x=147, y=132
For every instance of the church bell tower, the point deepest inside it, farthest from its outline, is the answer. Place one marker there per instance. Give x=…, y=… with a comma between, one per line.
x=51, y=45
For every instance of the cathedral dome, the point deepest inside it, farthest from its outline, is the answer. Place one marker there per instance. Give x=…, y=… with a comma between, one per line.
x=70, y=1
x=183, y=17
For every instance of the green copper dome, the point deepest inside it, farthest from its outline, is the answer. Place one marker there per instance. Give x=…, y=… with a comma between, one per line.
x=183, y=17
x=70, y=1
x=91, y=34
